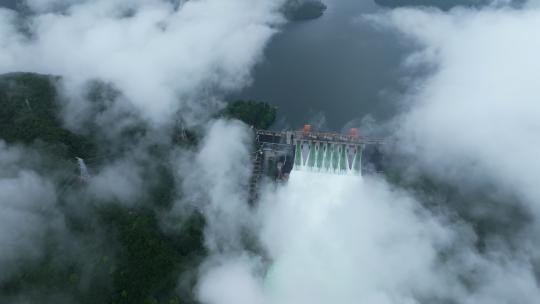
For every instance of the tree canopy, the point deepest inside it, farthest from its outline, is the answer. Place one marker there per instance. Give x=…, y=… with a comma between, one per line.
x=258, y=114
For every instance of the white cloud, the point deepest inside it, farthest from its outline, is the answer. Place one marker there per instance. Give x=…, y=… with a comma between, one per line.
x=234, y=282
x=218, y=183
x=477, y=115
x=27, y=209
x=120, y=181
x=340, y=239
x=160, y=57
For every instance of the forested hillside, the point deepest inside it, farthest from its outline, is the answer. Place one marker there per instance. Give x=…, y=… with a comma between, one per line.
x=127, y=253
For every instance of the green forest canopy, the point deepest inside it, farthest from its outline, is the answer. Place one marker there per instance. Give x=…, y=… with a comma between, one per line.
x=258, y=114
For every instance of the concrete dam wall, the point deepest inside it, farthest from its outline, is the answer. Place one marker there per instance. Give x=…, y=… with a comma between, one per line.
x=279, y=153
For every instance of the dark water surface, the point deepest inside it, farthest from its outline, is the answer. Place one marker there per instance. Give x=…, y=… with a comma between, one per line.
x=341, y=66
x=9, y=3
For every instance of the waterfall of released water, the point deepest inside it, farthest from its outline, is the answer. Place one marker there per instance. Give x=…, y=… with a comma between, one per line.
x=83, y=170
x=336, y=158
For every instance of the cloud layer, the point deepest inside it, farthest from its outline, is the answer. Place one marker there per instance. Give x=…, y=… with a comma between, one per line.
x=163, y=56
x=479, y=110
x=28, y=208
x=318, y=239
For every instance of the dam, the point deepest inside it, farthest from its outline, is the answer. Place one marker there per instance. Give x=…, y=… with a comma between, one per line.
x=278, y=153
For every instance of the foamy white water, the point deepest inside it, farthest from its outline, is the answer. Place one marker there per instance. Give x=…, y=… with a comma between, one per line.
x=83, y=169
x=339, y=238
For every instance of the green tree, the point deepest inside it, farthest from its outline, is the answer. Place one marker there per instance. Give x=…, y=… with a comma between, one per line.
x=254, y=113
x=29, y=112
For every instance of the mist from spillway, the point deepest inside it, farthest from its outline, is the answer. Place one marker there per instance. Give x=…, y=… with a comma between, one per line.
x=304, y=203
x=344, y=239
x=304, y=181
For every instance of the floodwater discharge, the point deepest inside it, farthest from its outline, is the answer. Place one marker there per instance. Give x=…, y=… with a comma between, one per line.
x=300, y=230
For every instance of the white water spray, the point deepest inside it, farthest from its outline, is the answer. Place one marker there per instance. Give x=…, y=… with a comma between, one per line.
x=334, y=238
x=83, y=170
